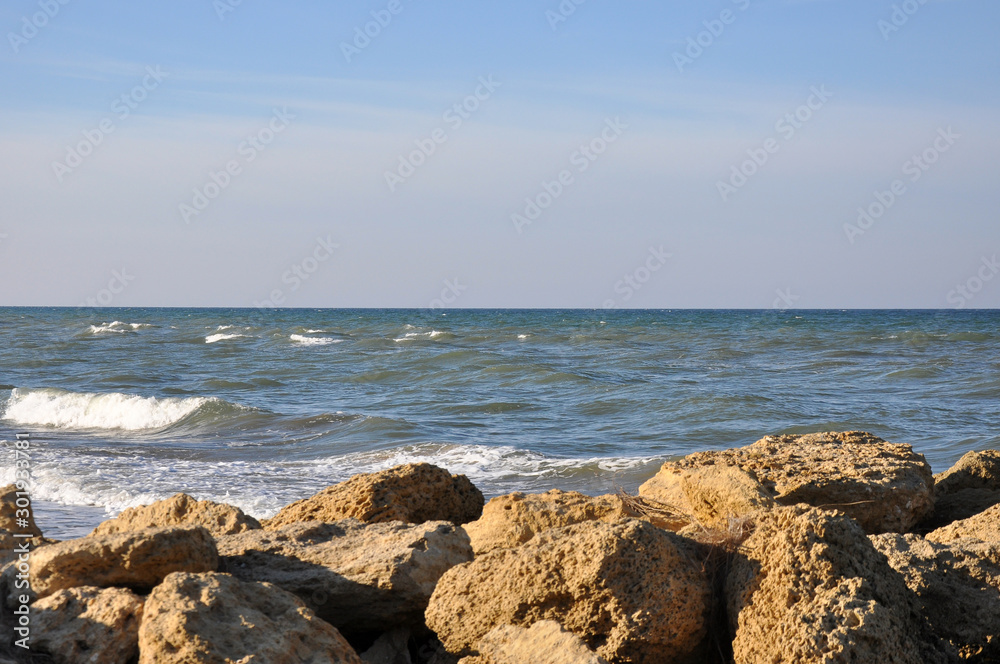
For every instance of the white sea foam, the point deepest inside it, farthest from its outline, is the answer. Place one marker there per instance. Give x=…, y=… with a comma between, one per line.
x=213, y=338
x=314, y=341
x=415, y=336
x=117, y=327
x=84, y=410
x=523, y=336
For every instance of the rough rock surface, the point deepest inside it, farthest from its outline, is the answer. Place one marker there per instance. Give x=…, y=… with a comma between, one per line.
x=515, y=518
x=181, y=510
x=969, y=487
x=886, y=487
x=88, y=625
x=545, y=642
x=8, y=513
x=138, y=560
x=631, y=591
x=709, y=495
x=359, y=577
x=9, y=545
x=984, y=526
x=218, y=619
x=958, y=587
x=808, y=586
x=412, y=493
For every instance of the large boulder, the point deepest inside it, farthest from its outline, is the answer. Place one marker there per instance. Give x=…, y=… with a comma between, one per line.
x=218, y=619
x=181, y=510
x=138, y=560
x=705, y=495
x=545, y=642
x=808, y=586
x=412, y=493
x=359, y=577
x=631, y=591
x=515, y=518
x=957, y=586
x=11, y=514
x=969, y=487
x=88, y=625
x=886, y=487
x=984, y=526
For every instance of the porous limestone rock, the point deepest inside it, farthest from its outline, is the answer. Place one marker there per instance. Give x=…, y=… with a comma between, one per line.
x=88, y=625
x=958, y=588
x=218, y=619
x=359, y=577
x=886, y=487
x=708, y=495
x=515, y=518
x=984, y=526
x=412, y=493
x=808, y=586
x=138, y=560
x=181, y=510
x=545, y=642
x=11, y=514
x=630, y=590
x=969, y=487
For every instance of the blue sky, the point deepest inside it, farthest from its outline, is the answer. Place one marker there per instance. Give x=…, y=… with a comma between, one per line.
x=660, y=218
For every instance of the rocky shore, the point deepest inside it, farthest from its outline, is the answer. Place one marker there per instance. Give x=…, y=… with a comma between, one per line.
x=832, y=547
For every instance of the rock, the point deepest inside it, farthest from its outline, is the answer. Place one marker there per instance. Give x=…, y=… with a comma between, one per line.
x=631, y=591
x=10, y=514
x=138, y=560
x=515, y=518
x=389, y=648
x=88, y=625
x=808, y=586
x=545, y=642
x=708, y=495
x=10, y=546
x=969, y=487
x=984, y=526
x=413, y=493
x=217, y=619
x=958, y=587
x=886, y=487
x=359, y=577
x=181, y=510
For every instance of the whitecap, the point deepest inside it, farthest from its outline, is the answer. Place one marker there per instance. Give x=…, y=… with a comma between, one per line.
x=314, y=341
x=84, y=410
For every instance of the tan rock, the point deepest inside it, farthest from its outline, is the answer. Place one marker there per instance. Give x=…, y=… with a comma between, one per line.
x=545, y=642
x=181, y=510
x=359, y=577
x=413, y=493
x=11, y=513
x=884, y=486
x=88, y=625
x=10, y=546
x=390, y=647
x=218, y=619
x=984, y=526
x=515, y=518
x=138, y=560
x=957, y=586
x=969, y=487
x=708, y=495
x=810, y=587
x=956, y=506
x=631, y=591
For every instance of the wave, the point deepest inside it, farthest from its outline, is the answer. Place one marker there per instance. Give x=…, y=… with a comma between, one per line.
x=213, y=338
x=314, y=341
x=416, y=336
x=117, y=327
x=60, y=409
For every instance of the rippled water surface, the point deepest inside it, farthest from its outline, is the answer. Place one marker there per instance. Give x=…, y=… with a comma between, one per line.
x=126, y=406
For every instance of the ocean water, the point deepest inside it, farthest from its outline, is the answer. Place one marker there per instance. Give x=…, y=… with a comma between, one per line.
x=257, y=409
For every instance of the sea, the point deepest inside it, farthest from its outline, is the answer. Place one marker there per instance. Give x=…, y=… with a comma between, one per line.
x=256, y=408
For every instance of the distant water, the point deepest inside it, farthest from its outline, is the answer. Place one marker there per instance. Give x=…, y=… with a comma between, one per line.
x=127, y=406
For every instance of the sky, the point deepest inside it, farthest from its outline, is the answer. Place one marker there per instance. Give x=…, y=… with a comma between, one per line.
x=525, y=153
